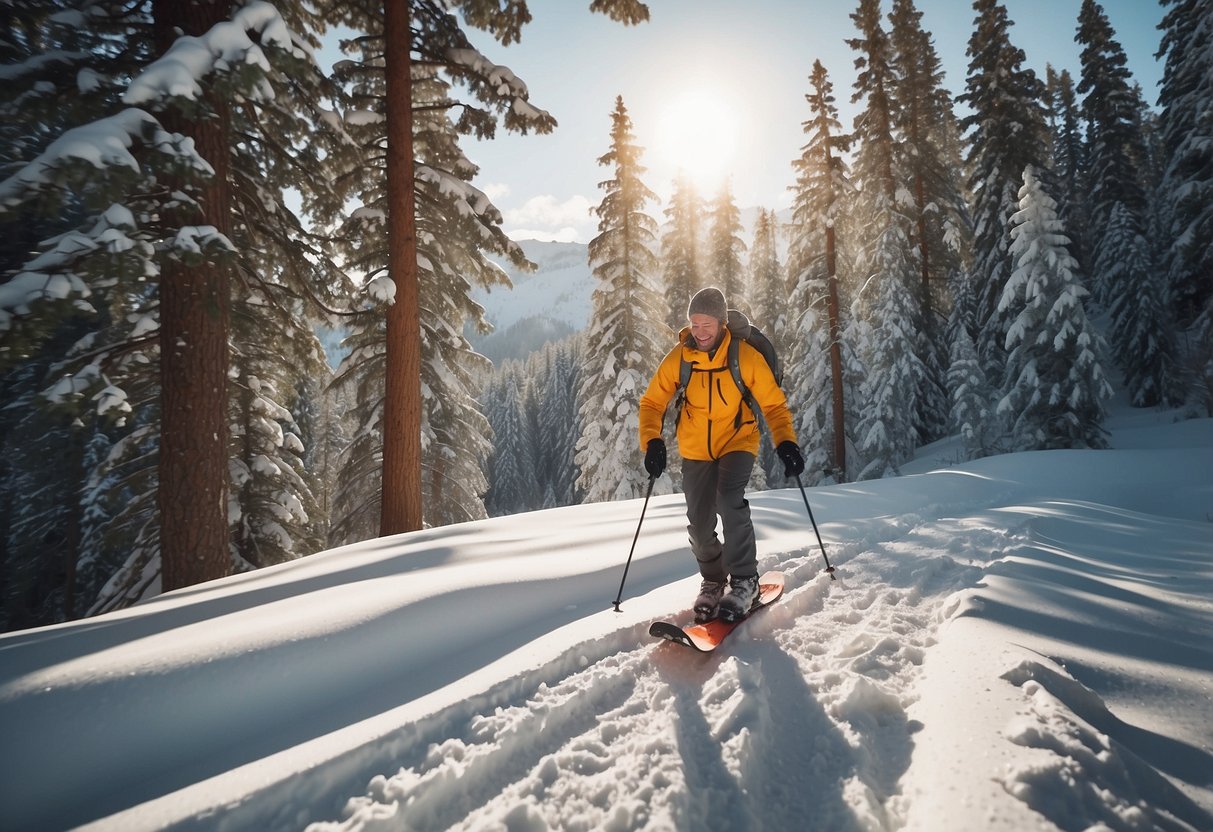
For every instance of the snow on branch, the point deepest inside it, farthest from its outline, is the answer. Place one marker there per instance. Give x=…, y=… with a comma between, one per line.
x=38, y=64
x=505, y=85
x=469, y=198
x=180, y=71
x=104, y=143
x=54, y=274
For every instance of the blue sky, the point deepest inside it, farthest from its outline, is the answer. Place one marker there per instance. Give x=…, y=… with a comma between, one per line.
x=747, y=63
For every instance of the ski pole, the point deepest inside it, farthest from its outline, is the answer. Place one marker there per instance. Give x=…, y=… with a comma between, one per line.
x=812, y=520
x=649, y=493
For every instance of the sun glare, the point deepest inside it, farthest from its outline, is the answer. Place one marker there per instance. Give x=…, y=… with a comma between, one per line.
x=697, y=135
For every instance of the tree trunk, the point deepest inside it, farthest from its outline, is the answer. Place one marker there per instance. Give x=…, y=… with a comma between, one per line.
x=401, y=503
x=73, y=533
x=840, y=439
x=195, y=311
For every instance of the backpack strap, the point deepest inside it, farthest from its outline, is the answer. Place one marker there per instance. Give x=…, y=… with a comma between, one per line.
x=734, y=362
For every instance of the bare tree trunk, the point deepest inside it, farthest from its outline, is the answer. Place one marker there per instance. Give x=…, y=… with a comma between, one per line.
x=840, y=439
x=195, y=312
x=401, y=504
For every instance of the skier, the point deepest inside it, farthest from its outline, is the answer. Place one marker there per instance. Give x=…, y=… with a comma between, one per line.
x=718, y=439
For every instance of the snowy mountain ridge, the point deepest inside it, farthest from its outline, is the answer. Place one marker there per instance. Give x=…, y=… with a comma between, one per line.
x=560, y=288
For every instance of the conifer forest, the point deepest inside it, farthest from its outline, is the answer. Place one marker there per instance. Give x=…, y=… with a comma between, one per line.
x=193, y=209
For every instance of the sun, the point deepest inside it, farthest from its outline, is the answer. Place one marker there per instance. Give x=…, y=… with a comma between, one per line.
x=697, y=136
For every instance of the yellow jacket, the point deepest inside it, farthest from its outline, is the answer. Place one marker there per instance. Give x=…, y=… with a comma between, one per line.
x=707, y=426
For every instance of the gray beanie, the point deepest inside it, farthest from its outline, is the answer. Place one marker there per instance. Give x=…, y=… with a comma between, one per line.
x=709, y=301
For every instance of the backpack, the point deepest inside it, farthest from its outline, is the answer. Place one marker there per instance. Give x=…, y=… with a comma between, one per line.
x=742, y=330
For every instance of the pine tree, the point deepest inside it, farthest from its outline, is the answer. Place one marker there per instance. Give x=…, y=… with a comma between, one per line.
x=1069, y=160
x=1006, y=134
x=970, y=415
x=1118, y=204
x=150, y=237
x=769, y=305
x=558, y=423
x=927, y=127
x=821, y=182
x=513, y=470
x=891, y=425
x=725, y=248
x=680, y=257
x=457, y=228
x=625, y=325
x=1141, y=332
x=1055, y=387
x=1186, y=127
x=768, y=287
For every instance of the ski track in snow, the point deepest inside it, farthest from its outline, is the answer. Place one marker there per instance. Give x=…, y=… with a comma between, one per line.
x=650, y=735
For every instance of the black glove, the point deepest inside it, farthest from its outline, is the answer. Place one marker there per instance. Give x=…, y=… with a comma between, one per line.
x=793, y=461
x=654, y=458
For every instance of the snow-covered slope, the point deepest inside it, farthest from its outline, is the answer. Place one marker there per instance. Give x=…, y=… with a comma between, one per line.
x=1021, y=642
x=560, y=288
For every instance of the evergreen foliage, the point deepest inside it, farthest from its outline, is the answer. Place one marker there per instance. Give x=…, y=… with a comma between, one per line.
x=1069, y=160
x=1054, y=388
x=1006, y=133
x=724, y=269
x=1128, y=283
x=1186, y=128
x=970, y=416
x=680, y=251
x=114, y=223
x=927, y=129
x=626, y=335
x=819, y=200
x=457, y=228
x=891, y=424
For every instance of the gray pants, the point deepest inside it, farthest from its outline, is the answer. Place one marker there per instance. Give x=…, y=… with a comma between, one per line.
x=718, y=488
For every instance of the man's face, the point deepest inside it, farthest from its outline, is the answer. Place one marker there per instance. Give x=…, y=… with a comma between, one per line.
x=705, y=330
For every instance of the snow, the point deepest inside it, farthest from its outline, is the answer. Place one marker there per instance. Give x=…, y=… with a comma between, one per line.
x=1017, y=642
x=179, y=72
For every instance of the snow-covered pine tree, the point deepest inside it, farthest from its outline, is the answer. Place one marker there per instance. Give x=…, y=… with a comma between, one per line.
x=768, y=286
x=927, y=128
x=147, y=213
x=680, y=255
x=1115, y=148
x=1142, y=331
x=1118, y=205
x=972, y=398
x=1186, y=127
x=815, y=328
x=769, y=307
x=891, y=425
x=1069, y=160
x=271, y=499
x=457, y=229
x=1054, y=388
x=1006, y=133
x=626, y=336
x=514, y=484
x=723, y=268
x=558, y=423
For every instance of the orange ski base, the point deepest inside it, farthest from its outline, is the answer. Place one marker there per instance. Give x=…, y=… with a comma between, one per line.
x=707, y=636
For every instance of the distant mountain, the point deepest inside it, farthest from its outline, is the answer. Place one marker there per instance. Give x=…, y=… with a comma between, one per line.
x=545, y=305
x=559, y=290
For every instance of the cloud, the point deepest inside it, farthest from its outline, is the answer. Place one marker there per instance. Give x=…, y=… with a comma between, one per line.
x=496, y=190
x=545, y=215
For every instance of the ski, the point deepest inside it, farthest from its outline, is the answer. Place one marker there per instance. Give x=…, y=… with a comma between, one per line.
x=706, y=637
